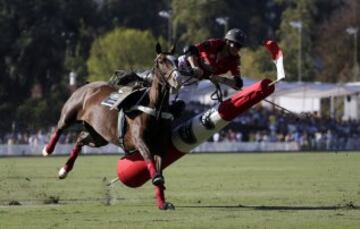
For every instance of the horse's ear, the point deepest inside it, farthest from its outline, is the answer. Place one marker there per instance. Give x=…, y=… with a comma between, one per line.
x=173, y=48
x=158, y=48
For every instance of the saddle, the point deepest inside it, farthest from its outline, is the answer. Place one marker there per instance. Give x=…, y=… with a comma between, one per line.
x=120, y=101
x=128, y=78
x=129, y=84
x=116, y=100
x=132, y=90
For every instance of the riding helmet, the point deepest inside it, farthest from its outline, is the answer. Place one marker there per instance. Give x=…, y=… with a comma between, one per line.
x=236, y=35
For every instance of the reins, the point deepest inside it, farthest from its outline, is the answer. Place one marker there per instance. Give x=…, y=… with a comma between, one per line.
x=217, y=94
x=165, y=87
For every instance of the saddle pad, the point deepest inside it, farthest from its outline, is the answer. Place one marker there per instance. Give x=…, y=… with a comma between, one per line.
x=116, y=98
x=111, y=99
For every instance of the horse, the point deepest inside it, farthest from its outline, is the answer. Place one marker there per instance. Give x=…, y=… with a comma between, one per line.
x=148, y=123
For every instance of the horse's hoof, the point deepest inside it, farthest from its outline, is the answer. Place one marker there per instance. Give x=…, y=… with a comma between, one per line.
x=44, y=152
x=62, y=173
x=167, y=206
x=158, y=180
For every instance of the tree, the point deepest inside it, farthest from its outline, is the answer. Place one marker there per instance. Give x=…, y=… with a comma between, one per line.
x=41, y=32
x=35, y=38
x=139, y=14
x=195, y=22
x=37, y=113
x=258, y=18
x=192, y=19
x=302, y=11
x=335, y=47
x=120, y=49
x=257, y=64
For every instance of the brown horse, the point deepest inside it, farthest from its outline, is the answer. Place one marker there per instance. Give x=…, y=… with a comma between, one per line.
x=148, y=129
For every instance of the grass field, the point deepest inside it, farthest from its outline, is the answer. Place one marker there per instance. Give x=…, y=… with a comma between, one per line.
x=277, y=190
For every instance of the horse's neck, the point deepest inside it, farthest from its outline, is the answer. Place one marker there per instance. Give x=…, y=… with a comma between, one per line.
x=155, y=93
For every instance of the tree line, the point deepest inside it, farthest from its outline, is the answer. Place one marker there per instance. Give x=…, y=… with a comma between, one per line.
x=42, y=41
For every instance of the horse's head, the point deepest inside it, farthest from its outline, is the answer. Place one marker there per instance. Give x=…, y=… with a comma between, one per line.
x=165, y=63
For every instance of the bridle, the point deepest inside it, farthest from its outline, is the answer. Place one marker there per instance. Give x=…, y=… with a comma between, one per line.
x=165, y=76
x=165, y=88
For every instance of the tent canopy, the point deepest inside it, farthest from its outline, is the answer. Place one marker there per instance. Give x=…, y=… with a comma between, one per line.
x=316, y=89
x=282, y=89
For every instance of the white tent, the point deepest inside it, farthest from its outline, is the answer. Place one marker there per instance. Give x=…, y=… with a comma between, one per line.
x=294, y=96
x=202, y=90
x=306, y=97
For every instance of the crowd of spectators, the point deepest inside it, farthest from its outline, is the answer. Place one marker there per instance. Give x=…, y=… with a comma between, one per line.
x=259, y=124
x=40, y=137
x=309, y=130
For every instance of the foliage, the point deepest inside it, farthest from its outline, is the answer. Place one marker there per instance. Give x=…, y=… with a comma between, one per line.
x=34, y=110
x=77, y=54
x=34, y=113
x=302, y=11
x=139, y=14
x=195, y=21
x=7, y=114
x=36, y=36
x=259, y=19
x=190, y=16
x=38, y=33
x=335, y=46
x=257, y=64
x=42, y=41
x=120, y=49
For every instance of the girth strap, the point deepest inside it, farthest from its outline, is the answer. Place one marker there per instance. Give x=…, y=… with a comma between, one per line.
x=151, y=111
x=122, y=126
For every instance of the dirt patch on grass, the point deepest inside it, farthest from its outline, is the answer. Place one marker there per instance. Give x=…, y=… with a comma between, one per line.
x=51, y=200
x=14, y=203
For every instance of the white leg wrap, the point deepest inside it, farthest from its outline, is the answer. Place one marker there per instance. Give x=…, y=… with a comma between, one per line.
x=44, y=152
x=62, y=173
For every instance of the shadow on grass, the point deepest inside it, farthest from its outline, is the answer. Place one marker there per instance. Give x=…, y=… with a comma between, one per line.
x=348, y=206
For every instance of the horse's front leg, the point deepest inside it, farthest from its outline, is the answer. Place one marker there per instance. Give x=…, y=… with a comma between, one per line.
x=155, y=174
x=158, y=179
x=159, y=182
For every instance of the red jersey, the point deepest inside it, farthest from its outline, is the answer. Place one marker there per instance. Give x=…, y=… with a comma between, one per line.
x=208, y=52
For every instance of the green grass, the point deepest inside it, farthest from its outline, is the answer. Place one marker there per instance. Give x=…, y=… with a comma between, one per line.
x=284, y=190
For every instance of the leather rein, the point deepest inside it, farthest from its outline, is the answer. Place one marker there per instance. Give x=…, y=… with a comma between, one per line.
x=158, y=113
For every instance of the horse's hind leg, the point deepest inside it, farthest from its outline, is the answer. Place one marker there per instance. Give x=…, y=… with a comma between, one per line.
x=83, y=139
x=89, y=137
x=67, y=119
